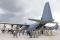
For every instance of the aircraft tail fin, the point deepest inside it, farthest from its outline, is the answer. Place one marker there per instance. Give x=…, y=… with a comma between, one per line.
x=47, y=16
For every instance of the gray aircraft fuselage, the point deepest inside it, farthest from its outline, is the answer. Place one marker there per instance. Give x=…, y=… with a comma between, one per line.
x=46, y=16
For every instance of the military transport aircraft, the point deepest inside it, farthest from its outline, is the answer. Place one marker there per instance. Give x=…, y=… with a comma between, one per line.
x=46, y=16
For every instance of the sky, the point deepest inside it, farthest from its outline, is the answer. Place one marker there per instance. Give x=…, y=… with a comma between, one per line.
x=19, y=11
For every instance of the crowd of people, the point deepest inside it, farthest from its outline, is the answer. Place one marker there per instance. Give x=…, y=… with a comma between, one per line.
x=17, y=30
x=14, y=30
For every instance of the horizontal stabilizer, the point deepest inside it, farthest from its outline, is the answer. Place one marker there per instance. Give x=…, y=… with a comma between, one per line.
x=41, y=21
x=34, y=20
